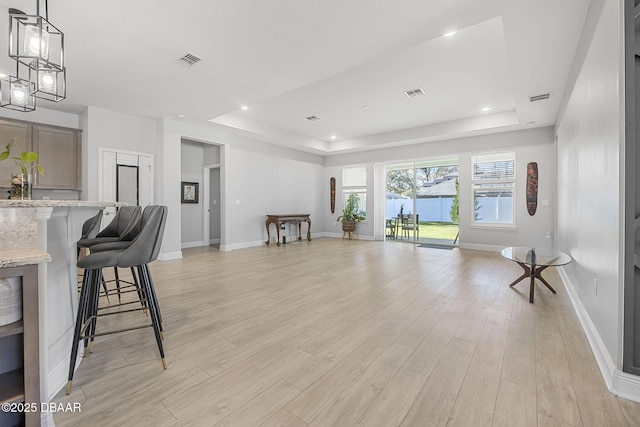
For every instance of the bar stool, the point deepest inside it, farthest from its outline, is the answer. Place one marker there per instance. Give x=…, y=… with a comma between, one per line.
x=122, y=245
x=125, y=225
x=142, y=250
x=90, y=229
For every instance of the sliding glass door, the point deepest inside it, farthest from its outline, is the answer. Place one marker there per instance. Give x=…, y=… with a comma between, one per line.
x=421, y=201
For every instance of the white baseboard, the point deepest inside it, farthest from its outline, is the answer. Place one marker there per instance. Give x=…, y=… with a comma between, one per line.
x=214, y=241
x=243, y=245
x=619, y=383
x=195, y=244
x=354, y=236
x=167, y=256
x=480, y=247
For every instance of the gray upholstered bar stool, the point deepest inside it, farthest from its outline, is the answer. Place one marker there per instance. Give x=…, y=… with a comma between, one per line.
x=142, y=250
x=122, y=245
x=90, y=229
x=125, y=225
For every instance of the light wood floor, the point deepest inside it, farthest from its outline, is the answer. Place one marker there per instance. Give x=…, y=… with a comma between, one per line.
x=338, y=332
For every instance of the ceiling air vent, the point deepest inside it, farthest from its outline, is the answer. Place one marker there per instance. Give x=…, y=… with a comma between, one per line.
x=190, y=59
x=539, y=97
x=313, y=118
x=414, y=92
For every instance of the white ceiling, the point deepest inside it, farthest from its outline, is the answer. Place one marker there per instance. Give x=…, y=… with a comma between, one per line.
x=346, y=62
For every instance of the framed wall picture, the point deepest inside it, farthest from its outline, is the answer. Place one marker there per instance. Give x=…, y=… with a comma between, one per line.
x=190, y=192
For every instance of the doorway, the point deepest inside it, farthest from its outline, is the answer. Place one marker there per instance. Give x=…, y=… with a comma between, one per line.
x=421, y=202
x=212, y=214
x=124, y=176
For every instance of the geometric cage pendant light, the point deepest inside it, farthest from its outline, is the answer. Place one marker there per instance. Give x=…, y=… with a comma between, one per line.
x=50, y=83
x=39, y=45
x=17, y=93
x=34, y=41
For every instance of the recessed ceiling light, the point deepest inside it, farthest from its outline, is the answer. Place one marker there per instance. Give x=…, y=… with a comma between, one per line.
x=450, y=33
x=485, y=109
x=366, y=106
x=333, y=137
x=244, y=107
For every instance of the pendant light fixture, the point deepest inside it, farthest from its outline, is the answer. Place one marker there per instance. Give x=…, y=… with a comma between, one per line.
x=17, y=94
x=34, y=41
x=37, y=45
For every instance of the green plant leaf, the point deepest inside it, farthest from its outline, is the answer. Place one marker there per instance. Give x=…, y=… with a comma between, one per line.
x=4, y=155
x=31, y=156
x=40, y=170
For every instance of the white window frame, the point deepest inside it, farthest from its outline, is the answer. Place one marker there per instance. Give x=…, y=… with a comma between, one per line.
x=497, y=183
x=348, y=188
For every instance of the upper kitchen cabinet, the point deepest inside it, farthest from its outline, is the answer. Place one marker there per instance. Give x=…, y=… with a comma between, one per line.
x=59, y=152
x=10, y=129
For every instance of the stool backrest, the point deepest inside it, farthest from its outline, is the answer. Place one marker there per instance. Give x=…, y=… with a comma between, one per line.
x=125, y=218
x=146, y=246
x=91, y=226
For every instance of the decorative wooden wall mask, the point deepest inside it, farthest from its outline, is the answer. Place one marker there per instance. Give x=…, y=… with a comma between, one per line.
x=532, y=187
x=332, y=194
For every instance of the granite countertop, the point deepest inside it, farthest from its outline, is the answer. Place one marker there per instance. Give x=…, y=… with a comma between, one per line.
x=18, y=257
x=58, y=204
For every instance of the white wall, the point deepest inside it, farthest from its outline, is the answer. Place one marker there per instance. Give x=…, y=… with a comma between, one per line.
x=211, y=154
x=108, y=129
x=534, y=145
x=256, y=179
x=44, y=116
x=191, y=160
x=589, y=161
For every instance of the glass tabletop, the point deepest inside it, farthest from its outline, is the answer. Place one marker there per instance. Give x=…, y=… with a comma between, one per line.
x=540, y=256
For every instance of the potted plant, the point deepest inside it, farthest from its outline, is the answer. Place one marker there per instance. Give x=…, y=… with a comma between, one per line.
x=27, y=162
x=351, y=214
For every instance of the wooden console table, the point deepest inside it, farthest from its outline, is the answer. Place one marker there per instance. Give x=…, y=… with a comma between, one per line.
x=288, y=219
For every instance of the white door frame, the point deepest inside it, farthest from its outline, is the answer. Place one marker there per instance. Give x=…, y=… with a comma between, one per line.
x=102, y=153
x=102, y=150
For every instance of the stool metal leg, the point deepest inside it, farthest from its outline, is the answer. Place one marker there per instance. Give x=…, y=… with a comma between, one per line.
x=80, y=317
x=94, y=310
x=154, y=296
x=144, y=278
x=136, y=283
x=115, y=272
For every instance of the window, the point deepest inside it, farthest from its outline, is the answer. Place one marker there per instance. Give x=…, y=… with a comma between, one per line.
x=493, y=182
x=354, y=181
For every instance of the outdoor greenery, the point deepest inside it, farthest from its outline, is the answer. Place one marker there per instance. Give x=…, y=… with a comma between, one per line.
x=438, y=230
x=27, y=161
x=401, y=181
x=455, y=206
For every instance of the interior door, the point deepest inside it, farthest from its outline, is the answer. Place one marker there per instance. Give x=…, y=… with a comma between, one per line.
x=126, y=177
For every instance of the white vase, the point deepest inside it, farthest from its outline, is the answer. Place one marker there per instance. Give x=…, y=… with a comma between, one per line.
x=10, y=300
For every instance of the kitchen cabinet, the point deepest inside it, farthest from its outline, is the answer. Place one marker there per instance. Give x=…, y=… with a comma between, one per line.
x=59, y=151
x=10, y=129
